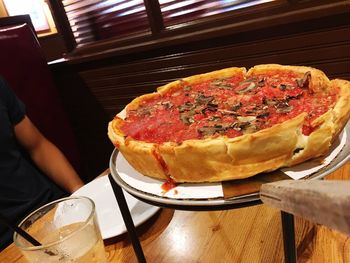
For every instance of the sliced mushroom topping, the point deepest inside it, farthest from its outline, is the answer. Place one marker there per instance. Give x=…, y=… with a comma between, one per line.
x=237, y=106
x=263, y=115
x=246, y=86
x=239, y=126
x=228, y=112
x=283, y=107
x=202, y=99
x=144, y=111
x=212, y=107
x=284, y=87
x=270, y=102
x=292, y=97
x=246, y=118
x=281, y=104
x=186, y=107
x=264, y=100
x=261, y=82
x=211, y=130
x=221, y=84
x=255, y=107
x=305, y=81
x=167, y=104
x=214, y=118
x=187, y=88
x=274, y=82
x=187, y=118
x=234, y=126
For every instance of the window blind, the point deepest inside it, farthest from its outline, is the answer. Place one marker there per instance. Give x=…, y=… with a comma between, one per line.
x=93, y=20
x=175, y=11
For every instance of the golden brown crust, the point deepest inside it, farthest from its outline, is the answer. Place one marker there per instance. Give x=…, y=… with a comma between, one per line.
x=341, y=111
x=222, y=158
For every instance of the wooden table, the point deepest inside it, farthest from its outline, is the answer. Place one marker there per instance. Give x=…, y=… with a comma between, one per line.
x=251, y=234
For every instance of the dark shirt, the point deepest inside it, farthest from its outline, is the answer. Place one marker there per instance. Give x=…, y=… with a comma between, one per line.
x=23, y=187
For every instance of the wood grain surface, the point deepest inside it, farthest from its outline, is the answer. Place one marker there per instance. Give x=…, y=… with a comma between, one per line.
x=326, y=202
x=250, y=234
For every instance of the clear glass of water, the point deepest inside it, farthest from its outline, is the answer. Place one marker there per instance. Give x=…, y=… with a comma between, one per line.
x=68, y=231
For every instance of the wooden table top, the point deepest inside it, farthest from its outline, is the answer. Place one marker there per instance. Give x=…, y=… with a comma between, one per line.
x=251, y=234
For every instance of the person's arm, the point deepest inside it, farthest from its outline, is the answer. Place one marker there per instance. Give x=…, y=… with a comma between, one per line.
x=47, y=156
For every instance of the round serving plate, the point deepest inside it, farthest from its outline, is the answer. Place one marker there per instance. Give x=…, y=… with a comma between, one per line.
x=138, y=188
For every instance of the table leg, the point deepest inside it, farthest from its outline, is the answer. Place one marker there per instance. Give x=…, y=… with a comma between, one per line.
x=288, y=237
x=124, y=209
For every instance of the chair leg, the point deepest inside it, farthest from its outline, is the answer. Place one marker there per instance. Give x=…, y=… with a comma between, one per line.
x=124, y=209
x=290, y=255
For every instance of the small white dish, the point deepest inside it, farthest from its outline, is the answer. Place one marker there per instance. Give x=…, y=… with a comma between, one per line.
x=107, y=209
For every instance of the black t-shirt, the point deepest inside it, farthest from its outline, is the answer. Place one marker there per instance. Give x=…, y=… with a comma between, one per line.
x=23, y=187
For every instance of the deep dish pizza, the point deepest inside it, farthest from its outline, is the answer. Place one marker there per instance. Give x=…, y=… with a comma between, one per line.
x=232, y=123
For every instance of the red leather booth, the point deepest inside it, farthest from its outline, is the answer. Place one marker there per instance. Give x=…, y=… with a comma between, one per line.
x=25, y=68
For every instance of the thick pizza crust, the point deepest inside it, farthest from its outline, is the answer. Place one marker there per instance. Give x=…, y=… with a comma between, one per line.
x=222, y=158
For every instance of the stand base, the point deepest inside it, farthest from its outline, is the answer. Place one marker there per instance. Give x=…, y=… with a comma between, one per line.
x=290, y=255
x=124, y=209
x=286, y=219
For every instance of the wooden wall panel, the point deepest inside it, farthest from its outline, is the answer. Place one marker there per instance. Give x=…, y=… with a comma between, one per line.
x=276, y=45
x=115, y=85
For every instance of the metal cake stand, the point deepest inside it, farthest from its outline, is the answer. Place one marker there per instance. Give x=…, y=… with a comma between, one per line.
x=287, y=219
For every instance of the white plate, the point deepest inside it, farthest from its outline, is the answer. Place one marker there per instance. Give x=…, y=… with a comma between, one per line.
x=108, y=213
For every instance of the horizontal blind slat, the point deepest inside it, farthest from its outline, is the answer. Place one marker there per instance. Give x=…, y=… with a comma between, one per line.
x=93, y=20
x=175, y=12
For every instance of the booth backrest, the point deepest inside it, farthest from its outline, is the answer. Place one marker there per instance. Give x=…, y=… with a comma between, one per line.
x=25, y=68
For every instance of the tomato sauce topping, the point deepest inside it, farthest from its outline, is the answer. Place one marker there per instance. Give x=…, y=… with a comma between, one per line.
x=227, y=106
x=168, y=185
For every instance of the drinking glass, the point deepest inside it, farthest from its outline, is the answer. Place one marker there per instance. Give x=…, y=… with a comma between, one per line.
x=67, y=230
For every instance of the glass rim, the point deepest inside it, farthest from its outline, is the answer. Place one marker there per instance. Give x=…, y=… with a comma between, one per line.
x=43, y=246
